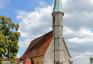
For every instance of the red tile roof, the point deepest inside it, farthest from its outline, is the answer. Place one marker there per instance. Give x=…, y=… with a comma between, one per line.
x=38, y=46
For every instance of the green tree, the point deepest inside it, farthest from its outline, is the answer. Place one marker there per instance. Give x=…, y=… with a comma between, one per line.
x=9, y=38
x=91, y=60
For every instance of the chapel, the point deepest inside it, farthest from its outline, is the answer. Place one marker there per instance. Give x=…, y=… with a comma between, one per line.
x=51, y=47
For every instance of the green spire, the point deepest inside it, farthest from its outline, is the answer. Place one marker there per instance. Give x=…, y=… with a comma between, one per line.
x=57, y=6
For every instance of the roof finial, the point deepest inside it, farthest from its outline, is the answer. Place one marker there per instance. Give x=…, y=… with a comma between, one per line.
x=57, y=6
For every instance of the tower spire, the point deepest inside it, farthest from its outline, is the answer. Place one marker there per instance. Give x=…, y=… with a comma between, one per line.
x=57, y=15
x=57, y=6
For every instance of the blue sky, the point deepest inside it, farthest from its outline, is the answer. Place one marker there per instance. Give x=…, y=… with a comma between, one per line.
x=34, y=17
x=11, y=6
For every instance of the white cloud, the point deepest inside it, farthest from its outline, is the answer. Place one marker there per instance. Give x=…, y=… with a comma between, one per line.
x=81, y=36
x=78, y=19
x=37, y=21
x=24, y=43
x=91, y=1
x=80, y=40
x=23, y=34
x=82, y=58
x=22, y=14
x=67, y=31
x=43, y=4
x=3, y=3
x=64, y=2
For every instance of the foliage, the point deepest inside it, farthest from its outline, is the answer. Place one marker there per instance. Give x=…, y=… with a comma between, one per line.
x=9, y=38
x=91, y=60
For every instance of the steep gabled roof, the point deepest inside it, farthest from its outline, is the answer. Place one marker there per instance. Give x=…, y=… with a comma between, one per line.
x=38, y=46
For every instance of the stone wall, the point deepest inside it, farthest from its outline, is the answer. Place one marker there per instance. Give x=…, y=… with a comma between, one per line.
x=49, y=55
x=66, y=57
